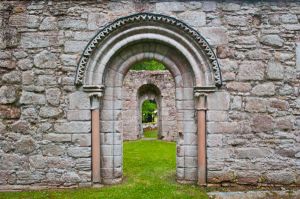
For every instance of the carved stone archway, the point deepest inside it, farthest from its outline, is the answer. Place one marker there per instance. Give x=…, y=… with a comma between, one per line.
x=107, y=59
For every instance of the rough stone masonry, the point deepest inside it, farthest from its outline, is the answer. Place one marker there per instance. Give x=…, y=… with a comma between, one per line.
x=253, y=121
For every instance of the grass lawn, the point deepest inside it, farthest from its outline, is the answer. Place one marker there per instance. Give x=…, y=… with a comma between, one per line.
x=150, y=134
x=149, y=172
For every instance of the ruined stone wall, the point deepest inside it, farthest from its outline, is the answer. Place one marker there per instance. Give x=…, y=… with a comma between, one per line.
x=253, y=120
x=130, y=114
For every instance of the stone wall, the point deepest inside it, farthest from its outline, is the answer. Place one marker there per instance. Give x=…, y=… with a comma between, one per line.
x=131, y=102
x=253, y=120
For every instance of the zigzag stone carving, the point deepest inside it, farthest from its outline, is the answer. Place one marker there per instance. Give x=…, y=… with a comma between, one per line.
x=147, y=17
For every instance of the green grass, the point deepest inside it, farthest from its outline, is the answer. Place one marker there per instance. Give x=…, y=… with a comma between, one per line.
x=150, y=134
x=149, y=172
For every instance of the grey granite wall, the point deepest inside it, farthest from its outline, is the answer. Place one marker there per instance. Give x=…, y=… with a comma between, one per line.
x=253, y=120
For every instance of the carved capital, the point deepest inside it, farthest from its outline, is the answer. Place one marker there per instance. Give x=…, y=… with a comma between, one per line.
x=200, y=94
x=96, y=93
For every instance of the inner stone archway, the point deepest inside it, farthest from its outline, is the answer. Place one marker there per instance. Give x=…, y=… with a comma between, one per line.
x=105, y=63
x=149, y=92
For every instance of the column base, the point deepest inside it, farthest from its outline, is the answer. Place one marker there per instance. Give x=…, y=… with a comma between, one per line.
x=111, y=181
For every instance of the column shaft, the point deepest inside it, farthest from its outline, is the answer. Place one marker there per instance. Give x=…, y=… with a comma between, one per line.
x=201, y=147
x=96, y=145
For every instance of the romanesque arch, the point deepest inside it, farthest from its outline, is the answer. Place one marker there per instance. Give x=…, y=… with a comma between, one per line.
x=104, y=64
x=149, y=92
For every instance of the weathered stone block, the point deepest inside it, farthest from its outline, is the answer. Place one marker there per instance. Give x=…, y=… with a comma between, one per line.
x=70, y=177
x=38, y=162
x=258, y=54
x=219, y=153
x=96, y=20
x=224, y=52
x=190, y=162
x=46, y=80
x=163, y=7
x=69, y=60
x=73, y=127
x=265, y=89
x=79, y=152
x=79, y=115
x=246, y=39
x=251, y=70
x=13, y=77
x=83, y=164
x=279, y=104
x=36, y=40
x=29, y=114
x=75, y=46
x=189, y=127
x=55, y=137
x=275, y=71
x=191, y=150
x=27, y=77
x=289, y=18
x=79, y=100
x=45, y=59
x=74, y=24
x=53, y=150
x=286, y=90
x=82, y=139
x=262, y=123
x=53, y=96
x=50, y=112
x=239, y=86
x=33, y=21
x=252, y=153
x=231, y=7
x=236, y=103
x=285, y=123
x=209, y=6
x=21, y=126
x=214, y=35
x=49, y=23
x=223, y=127
x=9, y=112
x=281, y=177
x=214, y=140
x=25, y=145
x=25, y=64
x=32, y=98
x=193, y=18
x=64, y=163
x=44, y=127
x=237, y=20
x=272, y=40
x=8, y=94
x=254, y=104
x=218, y=101
x=190, y=138
x=217, y=116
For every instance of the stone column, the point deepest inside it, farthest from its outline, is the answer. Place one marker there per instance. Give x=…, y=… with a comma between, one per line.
x=96, y=93
x=200, y=94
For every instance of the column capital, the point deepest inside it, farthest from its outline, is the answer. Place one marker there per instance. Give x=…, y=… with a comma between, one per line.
x=200, y=93
x=203, y=90
x=95, y=93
